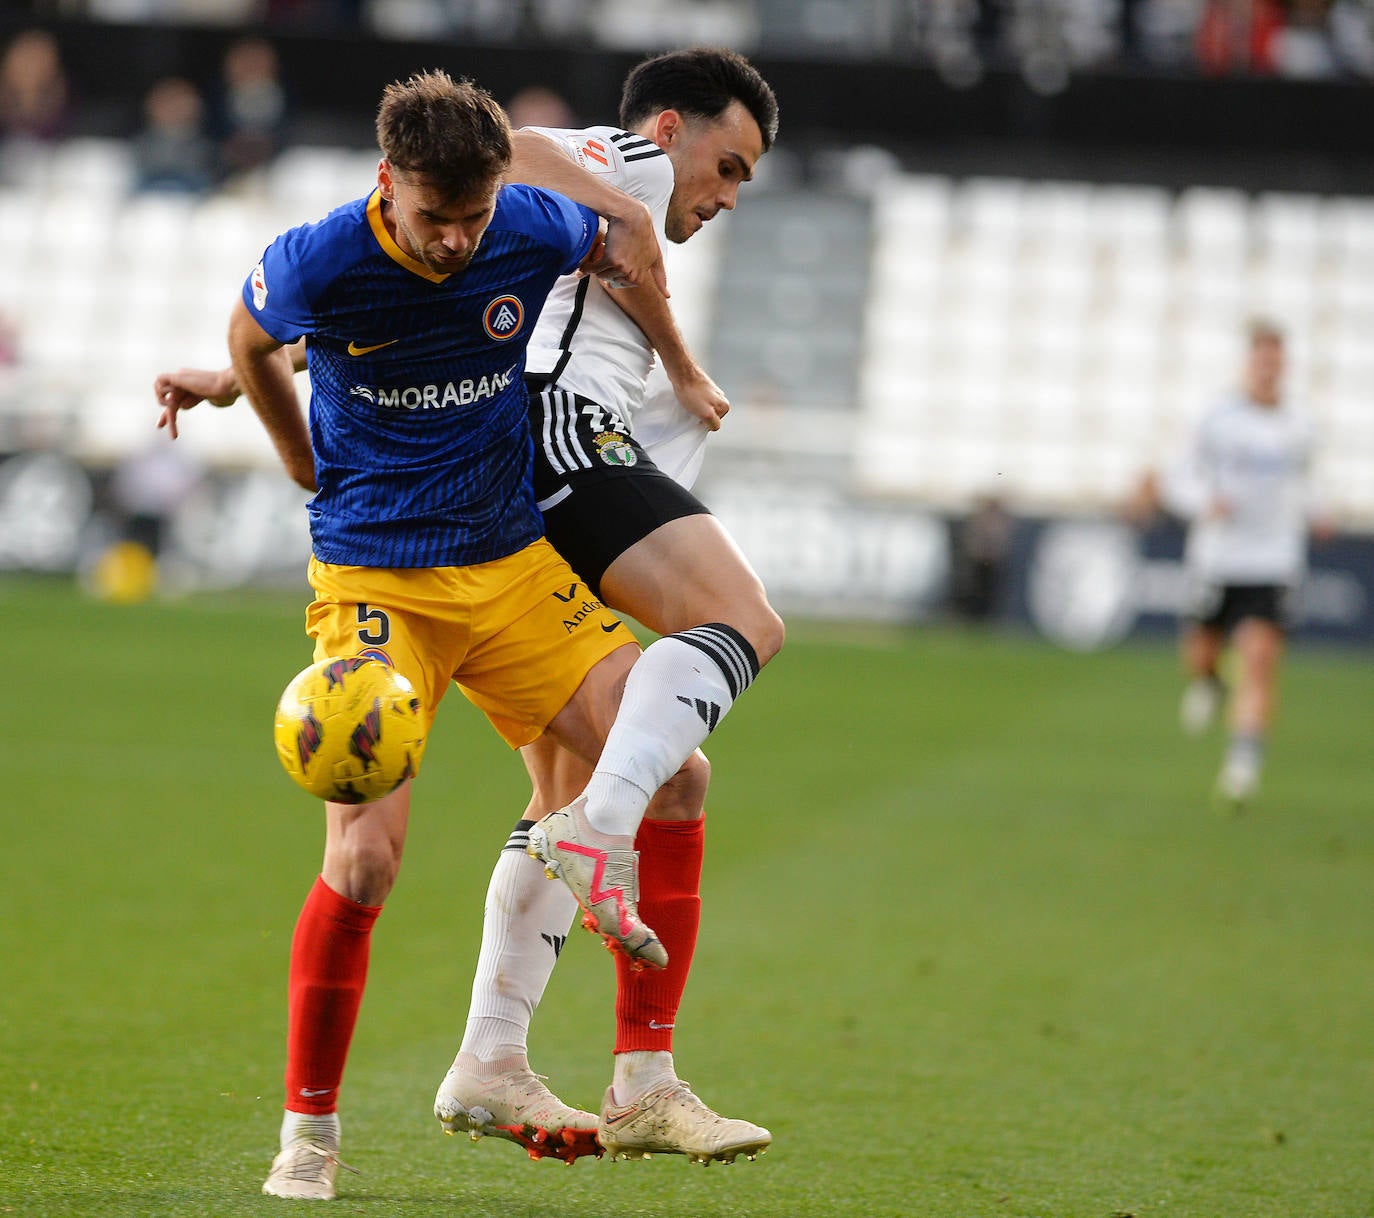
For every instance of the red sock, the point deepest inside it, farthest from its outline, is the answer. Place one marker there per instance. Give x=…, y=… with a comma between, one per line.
x=328, y=970
x=646, y=1002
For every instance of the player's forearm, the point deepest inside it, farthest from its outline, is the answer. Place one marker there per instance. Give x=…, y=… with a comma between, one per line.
x=654, y=316
x=263, y=368
x=230, y=379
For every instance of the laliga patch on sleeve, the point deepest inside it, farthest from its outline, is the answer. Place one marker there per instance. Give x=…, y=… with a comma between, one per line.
x=259, y=282
x=593, y=154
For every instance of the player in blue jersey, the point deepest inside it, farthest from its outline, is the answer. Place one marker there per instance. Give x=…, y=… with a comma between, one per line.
x=416, y=305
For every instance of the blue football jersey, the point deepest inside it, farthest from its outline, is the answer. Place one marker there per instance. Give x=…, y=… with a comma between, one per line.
x=418, y=411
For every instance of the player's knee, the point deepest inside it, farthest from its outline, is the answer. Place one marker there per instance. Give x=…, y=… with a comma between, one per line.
x=363, y=867
x=696, y=772
x=683, y=796
x=765, y=631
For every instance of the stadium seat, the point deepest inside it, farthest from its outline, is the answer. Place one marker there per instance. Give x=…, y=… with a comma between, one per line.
x=915, y=207
x=1123, y=408
x=1286, y=290
x=1348, y=224
x=990, y=211
x=1288, y=228
x=312, y=180
x=1058, y=215
x=1131, y=218
x=1062, y=281
x=99, y=170
x=1214, y=224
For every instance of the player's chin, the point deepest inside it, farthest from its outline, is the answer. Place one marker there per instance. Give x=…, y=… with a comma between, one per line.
x=449, y=265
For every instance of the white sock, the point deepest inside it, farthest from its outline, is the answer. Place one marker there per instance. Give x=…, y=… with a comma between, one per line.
x=524, y=926
x=676, y=693
x=1245, y=754
x=639, y=1072
x=312, y=1126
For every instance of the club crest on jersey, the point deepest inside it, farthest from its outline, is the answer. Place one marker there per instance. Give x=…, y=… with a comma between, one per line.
x=503, y=318
x=259, y=286
x=613, y=449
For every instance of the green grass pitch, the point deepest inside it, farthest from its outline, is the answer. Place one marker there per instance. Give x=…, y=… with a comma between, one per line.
x=974, y=943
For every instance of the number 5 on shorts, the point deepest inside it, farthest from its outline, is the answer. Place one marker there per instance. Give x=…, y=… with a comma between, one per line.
x=374, y=627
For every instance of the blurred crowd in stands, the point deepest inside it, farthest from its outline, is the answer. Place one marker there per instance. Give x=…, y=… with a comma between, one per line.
x=200, y=135
x=1306, y=39
x=190, y=138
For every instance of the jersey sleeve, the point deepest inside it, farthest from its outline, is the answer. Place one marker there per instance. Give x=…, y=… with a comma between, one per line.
x=634, y=164
x=275, y=292
x=568, y=227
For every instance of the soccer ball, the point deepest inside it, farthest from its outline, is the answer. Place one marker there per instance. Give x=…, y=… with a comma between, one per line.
x=350, y=729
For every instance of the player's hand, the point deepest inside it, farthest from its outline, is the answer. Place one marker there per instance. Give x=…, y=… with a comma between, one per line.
x=632, y=253
x=702, y=398
x=187, y=387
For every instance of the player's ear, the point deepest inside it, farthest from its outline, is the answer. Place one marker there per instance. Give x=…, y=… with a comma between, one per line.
x=667, y=128
x=384, y=180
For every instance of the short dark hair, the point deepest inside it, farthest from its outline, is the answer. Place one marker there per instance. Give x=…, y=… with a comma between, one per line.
x=452, y=133
x=701, y=82
x=1261, y=329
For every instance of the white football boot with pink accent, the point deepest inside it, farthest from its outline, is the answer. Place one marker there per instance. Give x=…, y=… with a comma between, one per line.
x=602, y=872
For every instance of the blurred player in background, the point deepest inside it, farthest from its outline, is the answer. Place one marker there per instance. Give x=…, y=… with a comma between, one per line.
x=1245, y=490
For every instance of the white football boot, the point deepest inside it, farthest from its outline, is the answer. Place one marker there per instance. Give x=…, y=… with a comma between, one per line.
x=671, y=1120
x=514, y=1105
x=305, y=1170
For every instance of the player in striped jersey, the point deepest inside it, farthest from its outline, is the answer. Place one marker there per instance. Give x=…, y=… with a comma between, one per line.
x=700, y=120
x=1245, y=489
x=613, y=461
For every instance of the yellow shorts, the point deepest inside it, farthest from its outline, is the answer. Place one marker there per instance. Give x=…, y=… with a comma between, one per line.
x=518, y=635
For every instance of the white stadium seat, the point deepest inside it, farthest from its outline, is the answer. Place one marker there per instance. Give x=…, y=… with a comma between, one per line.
x=1131, y=218
x=99, y=170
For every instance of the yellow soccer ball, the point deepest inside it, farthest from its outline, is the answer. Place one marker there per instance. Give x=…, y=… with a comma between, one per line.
x=350, y=729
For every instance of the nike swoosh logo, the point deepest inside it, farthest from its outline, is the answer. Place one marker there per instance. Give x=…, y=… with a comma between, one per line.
x=614, y=625
x=659, y=1027
x=308, y=1093
x=354, y=349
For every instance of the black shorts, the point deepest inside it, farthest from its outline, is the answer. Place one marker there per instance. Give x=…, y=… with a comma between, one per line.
x=1225, y=606
x=599, y=491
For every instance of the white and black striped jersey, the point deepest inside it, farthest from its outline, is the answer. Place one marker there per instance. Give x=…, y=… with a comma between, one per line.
x=1256, y=459
x=672, y=436
x=584, y=344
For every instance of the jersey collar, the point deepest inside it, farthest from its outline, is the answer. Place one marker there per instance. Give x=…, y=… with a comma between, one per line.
x=389, y=246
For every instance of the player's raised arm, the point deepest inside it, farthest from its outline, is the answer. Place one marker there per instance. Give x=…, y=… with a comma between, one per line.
x=266, y=375
x=632, y=248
